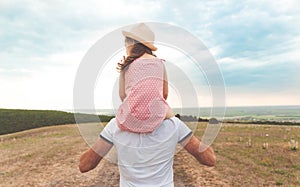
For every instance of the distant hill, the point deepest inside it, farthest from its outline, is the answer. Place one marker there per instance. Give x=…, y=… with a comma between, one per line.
x=15, y=120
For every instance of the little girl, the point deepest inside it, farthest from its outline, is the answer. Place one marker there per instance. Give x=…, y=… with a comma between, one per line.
x=143, y=85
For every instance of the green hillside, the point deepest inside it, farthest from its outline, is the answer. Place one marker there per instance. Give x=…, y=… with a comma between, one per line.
x=14, y=120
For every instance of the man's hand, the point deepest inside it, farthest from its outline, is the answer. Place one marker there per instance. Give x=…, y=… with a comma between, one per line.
x=206, y=157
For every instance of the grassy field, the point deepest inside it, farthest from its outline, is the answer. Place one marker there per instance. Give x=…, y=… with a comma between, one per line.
x=257, y=155
x=49, y=156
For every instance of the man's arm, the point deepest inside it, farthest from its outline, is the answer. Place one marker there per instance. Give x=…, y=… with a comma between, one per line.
x=206, y=157
x=91, y=158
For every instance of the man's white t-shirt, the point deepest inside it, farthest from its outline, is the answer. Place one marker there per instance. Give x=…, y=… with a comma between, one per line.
x=146, y=159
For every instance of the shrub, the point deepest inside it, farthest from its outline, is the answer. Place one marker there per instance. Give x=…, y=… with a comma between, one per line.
x=12, y=120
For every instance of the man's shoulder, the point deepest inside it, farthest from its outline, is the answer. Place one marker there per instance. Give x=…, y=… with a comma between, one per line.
x=111, y=125
x=173, y=121
x=169, y=125
x=172, y=124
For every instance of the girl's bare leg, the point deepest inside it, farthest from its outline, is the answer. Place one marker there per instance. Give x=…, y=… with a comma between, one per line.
x=169, y=113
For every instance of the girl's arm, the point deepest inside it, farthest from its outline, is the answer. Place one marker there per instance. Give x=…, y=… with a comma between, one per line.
x=165, y=87
x=122, y=86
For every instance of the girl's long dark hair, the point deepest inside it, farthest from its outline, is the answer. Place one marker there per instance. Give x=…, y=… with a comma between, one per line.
x=137, y=50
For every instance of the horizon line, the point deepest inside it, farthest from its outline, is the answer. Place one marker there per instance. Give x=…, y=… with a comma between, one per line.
x=235, y=106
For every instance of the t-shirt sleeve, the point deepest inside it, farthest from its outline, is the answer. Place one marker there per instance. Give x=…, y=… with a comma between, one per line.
x=183, y=130
x=108, y=131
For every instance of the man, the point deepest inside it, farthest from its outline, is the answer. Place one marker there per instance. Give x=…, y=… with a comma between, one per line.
x=146, y=159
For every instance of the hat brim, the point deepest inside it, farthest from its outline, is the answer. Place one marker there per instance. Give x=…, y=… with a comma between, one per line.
x=146, y=43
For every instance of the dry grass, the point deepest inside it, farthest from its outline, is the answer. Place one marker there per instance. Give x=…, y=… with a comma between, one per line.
x=252, y=165
x=49, y=157
x=43, y=157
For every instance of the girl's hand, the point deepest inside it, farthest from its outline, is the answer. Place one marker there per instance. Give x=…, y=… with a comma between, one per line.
x=121, y=63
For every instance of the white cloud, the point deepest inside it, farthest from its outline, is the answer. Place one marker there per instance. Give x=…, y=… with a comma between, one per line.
x=50, y=88
x=43, y=42
x=47, y=87
x=241, y=97
x=39, y=28
x=287, y=53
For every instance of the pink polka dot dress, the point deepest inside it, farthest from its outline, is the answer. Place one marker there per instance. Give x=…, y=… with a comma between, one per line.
x=144, y=107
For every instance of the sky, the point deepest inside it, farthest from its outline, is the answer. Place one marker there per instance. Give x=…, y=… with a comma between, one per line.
x=256, y=45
